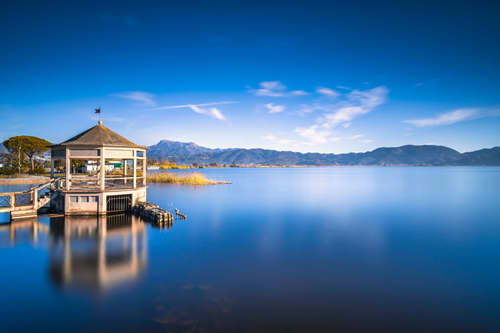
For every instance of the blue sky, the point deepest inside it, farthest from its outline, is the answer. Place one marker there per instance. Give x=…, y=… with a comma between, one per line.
x=303, y=76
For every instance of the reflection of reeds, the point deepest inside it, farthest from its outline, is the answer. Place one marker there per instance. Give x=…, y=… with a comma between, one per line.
x=191, y=178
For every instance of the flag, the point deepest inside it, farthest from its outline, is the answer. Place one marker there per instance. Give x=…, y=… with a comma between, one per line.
x=98, y=110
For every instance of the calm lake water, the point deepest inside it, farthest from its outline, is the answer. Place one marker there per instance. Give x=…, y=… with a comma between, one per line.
x=278, y=250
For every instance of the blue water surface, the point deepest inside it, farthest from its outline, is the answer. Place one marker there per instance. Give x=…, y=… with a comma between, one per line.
x=277, y=250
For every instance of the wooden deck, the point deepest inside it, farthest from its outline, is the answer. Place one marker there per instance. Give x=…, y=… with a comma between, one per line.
x=24, y=204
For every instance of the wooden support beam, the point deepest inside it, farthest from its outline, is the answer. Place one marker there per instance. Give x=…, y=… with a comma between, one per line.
x=103, y=170
x=135, y=169
x=144, y=170
x=52, y=168
x=68, y=170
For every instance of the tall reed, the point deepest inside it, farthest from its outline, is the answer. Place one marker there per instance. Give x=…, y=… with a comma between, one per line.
x=191, y=178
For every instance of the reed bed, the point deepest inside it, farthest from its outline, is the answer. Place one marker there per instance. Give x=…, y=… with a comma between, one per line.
x=191, y=178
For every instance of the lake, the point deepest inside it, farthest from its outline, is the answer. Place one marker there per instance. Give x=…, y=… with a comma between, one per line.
x=278, y=250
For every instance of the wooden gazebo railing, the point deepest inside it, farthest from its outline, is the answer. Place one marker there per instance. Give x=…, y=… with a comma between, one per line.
x=24, y=204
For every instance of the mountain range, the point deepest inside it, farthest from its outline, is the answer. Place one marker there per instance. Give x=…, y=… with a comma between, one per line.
x=421, y=155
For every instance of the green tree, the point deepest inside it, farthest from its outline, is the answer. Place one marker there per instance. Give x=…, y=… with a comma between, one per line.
x=75, y=164
x=3, y=154
x=29, y=146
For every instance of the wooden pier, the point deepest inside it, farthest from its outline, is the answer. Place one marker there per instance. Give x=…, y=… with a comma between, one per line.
x=153, y=213
x=25, y=204
x=159, y=217
x=28, y=204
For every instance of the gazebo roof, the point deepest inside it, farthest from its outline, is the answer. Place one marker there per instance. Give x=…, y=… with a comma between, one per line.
x=100, y=135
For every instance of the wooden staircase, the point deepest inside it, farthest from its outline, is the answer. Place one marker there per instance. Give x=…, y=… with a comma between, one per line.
x=24, y=205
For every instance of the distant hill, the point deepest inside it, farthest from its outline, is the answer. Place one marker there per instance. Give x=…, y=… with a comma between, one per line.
x=188, y=153
x=481, y=157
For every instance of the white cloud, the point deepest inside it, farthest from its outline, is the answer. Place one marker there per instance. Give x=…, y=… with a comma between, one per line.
x=214, y=112
x=359, y=138
x=275, y=89
x=183, y=106
x=327, y=92
x=270, y=89
x=277, y=140
x=345, y=114
x=201, y=108
x=275, y=108
x=142, y=97
x=346, y=108
x=315, y=134
x=305, y=108
x=448, y=118
x=299, y=93
x=358, y=102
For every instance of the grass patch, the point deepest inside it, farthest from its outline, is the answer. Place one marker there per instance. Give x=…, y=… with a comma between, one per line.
x=191, y=178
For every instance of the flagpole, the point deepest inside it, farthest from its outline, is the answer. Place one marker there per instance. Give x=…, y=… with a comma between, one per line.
x=98, y=111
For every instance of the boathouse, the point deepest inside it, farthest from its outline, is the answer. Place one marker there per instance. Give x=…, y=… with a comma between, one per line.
x=97, y=172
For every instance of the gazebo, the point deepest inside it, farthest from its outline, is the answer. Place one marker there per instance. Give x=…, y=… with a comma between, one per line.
x=98, y=172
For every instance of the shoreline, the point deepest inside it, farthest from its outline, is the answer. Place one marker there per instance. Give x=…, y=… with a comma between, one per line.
x=324, y=166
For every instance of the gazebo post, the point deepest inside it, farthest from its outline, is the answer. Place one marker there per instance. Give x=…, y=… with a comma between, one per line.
x=68, y=169
x=144, y=168
x=124, y=171
x=135, y=169
x=51, y=168
x=103, y=170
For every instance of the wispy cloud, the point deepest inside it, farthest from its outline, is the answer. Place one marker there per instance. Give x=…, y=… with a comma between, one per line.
x=183, y=106
x=305, y=108
x=270, y=89
x=315, y=134
x=359, y=138
x=201, y=108
x=299, y=93
x=278, y=141
x=358, y=102
x=346, y=108
x=327, y=92
x=448, y=118
x=141, y=97
x=275, y=89
x=275, y=108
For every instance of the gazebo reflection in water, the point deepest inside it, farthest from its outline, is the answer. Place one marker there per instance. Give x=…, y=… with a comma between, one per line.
x=96, y=252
